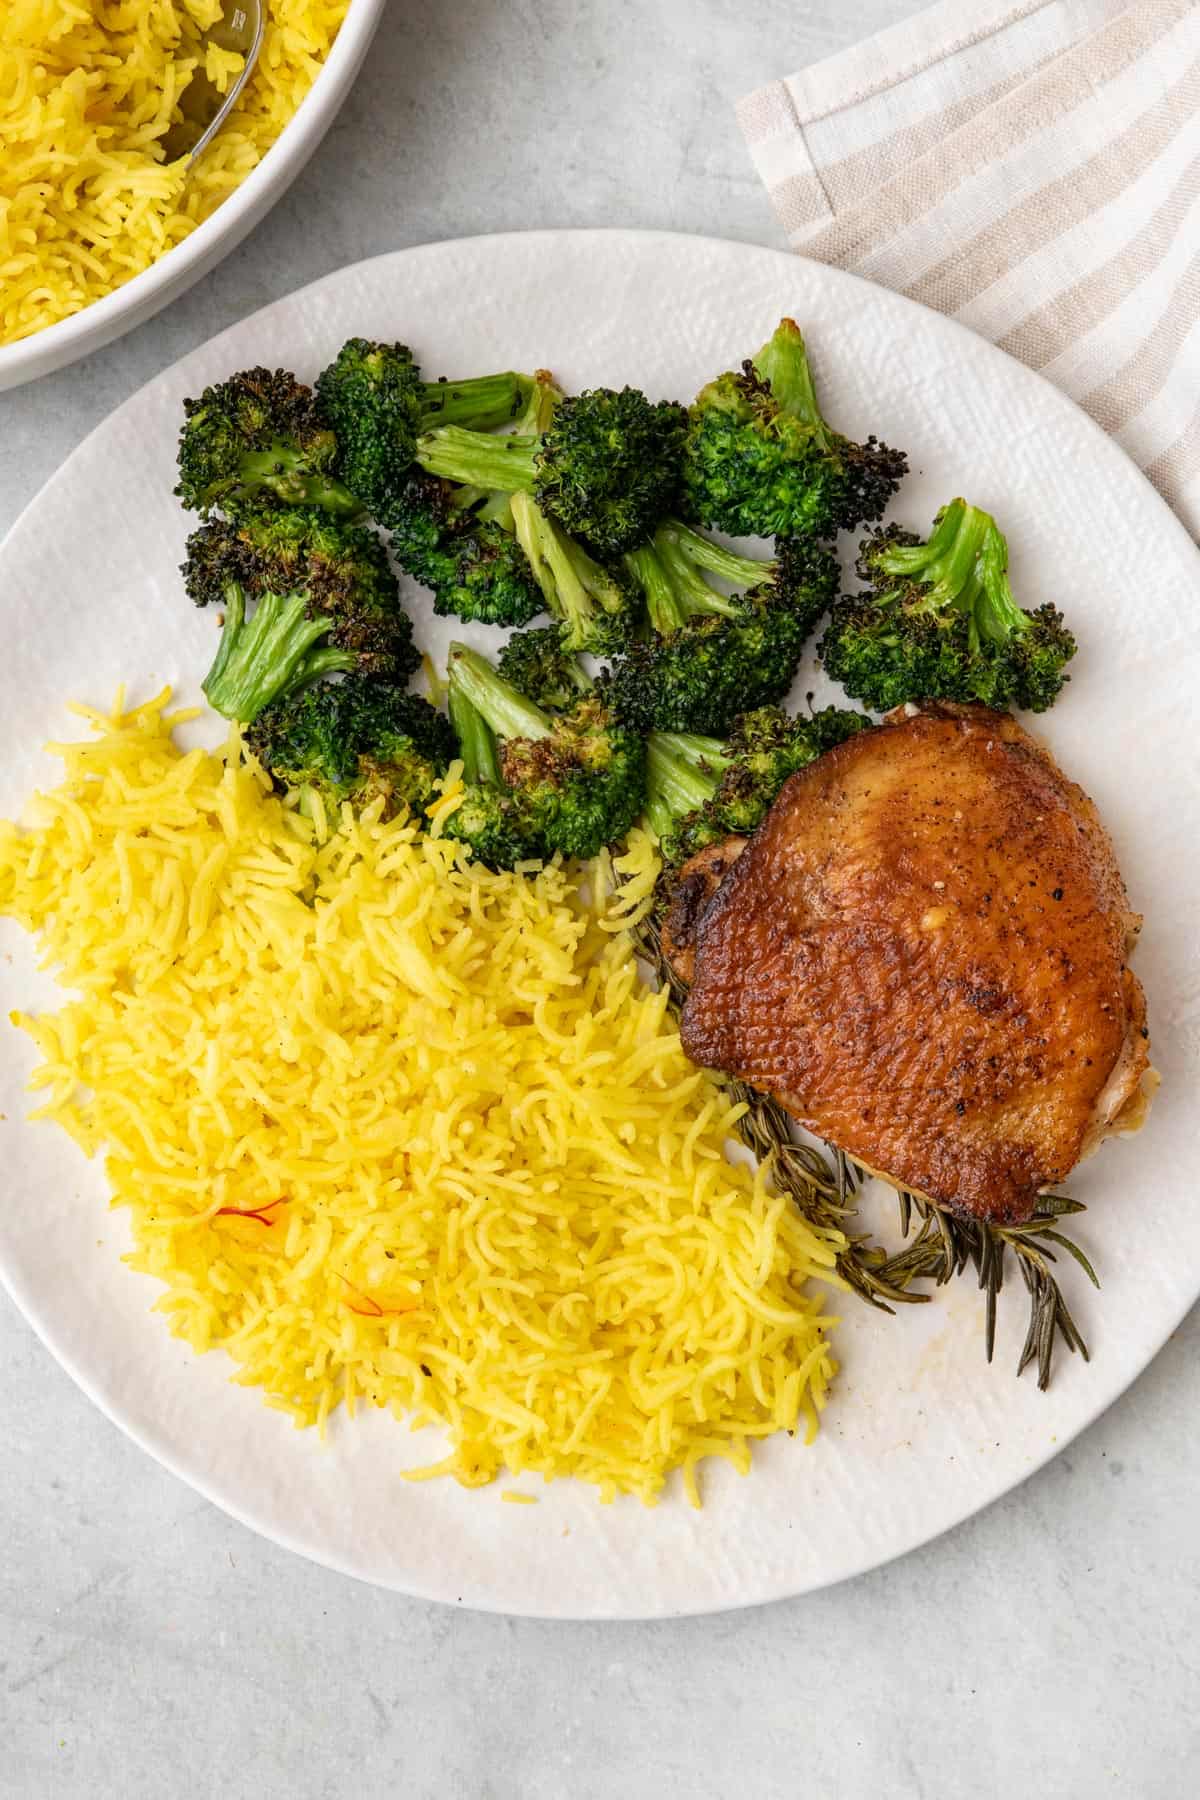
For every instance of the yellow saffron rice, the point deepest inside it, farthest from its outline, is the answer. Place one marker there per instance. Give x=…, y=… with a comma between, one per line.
x=87, y=93
x=393, y=1128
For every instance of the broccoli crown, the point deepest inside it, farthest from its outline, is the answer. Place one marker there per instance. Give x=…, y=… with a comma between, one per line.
x=474, y=566
x=761, y=461
x=355, y=740
x=765, y=747
x=605, y=465
x=536, y=663
x=584, y=784
x=288, y=548
x=705, y=673
x=495, y=826
x=716, y=655
x=577, y=780
x=373, y=395
x=609, y=466
x=256, y=439
x=701, y=790
x=597, y=608
x=939, y=621
x=375, y=398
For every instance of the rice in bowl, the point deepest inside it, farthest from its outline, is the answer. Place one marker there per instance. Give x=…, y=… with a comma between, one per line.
x=88, y=89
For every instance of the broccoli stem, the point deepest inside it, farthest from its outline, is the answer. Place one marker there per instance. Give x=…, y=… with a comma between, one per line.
x=282, y=472
x=272, y=654
x=481, y=402
x=508, y=713
x=693, y=593
x=496, y=510
x=997, y=614
x=569, y=578
x=544, y=396
x=668, y=571
x=662, y=603
x=478, y=458
x=475, y=740
x=676, y=779
x=783, y=364
x=705, y=553
x=945, y=565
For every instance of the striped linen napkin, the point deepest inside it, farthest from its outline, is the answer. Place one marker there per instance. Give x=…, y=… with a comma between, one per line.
x=1032, y=168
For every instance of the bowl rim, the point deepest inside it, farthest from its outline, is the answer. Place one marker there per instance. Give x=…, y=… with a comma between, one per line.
x=67, y=339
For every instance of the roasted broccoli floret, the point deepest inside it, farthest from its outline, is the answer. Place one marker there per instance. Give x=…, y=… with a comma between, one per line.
x=376, y=401
x=288, y=642
x=683, y=773
x=764, y=748
x=702, y=789
x=454, y=541
x=538, y=666
x=606, y=466
x=597, y=608
x=496, y=824
x=459, y=541
x=609, y=464
x=761, y=461
x=716, y=654
x=577, y=779
x=939, y=621
x=341, y=566
x=256, y=439
x=355, y=740
x=325, y=597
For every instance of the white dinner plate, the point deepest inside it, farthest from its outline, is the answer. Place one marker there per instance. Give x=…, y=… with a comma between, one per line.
x=920, y=1432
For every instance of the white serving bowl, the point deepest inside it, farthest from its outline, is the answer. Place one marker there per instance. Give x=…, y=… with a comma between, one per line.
x=147, y=293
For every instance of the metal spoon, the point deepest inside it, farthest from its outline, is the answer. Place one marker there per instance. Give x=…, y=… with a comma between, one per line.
x=203, y=107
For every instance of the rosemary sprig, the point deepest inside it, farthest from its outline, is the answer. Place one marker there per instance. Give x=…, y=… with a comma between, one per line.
x=825, y=1189
x=946, y=1242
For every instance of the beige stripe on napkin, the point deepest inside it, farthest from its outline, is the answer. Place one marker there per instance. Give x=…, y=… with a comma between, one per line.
x=1032, y=169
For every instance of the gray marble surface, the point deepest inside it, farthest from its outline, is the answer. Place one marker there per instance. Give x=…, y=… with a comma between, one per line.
x=151, y=1647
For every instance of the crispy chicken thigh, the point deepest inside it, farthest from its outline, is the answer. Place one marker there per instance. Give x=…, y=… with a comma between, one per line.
x=923, y=954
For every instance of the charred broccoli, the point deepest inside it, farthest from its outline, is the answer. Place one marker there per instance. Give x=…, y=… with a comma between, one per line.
x=716, y=654
x=459, y=541
x=454, y=540
x=701, y=789
x=537, y=665
x=761, y=461
x=605, y=468
x=496, y=824
x=326, y=601
x=259, y=438
x=939, y=621
x=341, y=566
x=376, y=401
x=576, y=781
x=354, y=740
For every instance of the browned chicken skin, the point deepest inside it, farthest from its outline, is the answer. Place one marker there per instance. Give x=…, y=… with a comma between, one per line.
x=923, y=954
